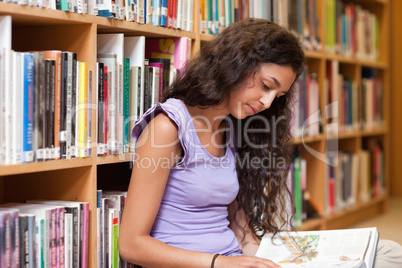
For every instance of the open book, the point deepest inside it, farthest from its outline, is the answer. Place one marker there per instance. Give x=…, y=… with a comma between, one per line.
x=354, y=248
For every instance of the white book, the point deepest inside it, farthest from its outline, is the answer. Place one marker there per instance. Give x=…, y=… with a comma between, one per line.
x=155, y=71
x=109, y=44
x=119, y=97
x=183, y=20
x=17, y=109
x=141, y=11
x=68, y=240
x=190, y=15
x=351, y=248
x=179, y=14
x=134, y=48
x=5, y=97
x=5, y=33
x=74, y=142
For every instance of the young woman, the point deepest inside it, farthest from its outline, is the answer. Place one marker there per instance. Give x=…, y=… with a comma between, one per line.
x=194, y=191
x=210, y=160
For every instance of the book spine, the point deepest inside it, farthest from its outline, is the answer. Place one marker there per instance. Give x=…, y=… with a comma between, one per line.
x=52, y=239
x=115, y=236
x=106, y=110
x=68, y=239
x=164, y=13
x=69, y=104
x=82, y=113
x=63, y=105
x=85, y=232
x=17, y=109
x=101, y=71
x=33, y=257
x=3, y=242
x=89, y=113
x=40, y=153
x=61, y=237
x=126, y=106
x=77, y=112
x=119, y=102
x=28, y=64
x=73, y=136
x=24, y=242
x=57, y=107
x=75, y=236
x=15, y=239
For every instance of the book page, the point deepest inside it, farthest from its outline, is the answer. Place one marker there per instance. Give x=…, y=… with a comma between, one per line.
x=337, y=248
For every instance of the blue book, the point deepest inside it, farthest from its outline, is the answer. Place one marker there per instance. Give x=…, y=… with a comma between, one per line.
x=27, y=125
x=164, y=13
x=156, y=13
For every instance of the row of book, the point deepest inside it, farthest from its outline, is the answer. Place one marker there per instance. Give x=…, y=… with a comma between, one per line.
x=44, y=233
x=219, y=14
x=176, y=14
x=349, y=178
x=354, y=177
x=350, y=105
x=45, y=111
x=348, y=29
x=110, y=207
x=306, y=115
x=133, y=73
x=43, y=94
x=351, y=30
x=166, y=13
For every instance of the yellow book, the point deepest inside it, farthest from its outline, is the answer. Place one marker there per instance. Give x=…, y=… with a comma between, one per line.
x=83, y=111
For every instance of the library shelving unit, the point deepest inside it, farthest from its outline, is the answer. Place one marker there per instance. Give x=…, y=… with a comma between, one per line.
x=74, y=179
x=351, y=141
x=77, y=179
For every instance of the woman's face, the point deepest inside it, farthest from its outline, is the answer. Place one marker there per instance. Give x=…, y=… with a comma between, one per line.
x=258, y=91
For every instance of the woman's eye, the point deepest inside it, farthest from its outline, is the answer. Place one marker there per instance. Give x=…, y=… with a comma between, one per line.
x=265, y=86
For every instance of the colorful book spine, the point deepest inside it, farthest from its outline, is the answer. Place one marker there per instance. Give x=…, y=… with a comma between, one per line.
x=28, y=73
x=164, y=13
x=126, y=104
x=82, y=113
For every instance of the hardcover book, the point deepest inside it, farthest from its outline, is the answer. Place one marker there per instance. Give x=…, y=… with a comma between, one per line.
x=352, y=248
x=176, y=49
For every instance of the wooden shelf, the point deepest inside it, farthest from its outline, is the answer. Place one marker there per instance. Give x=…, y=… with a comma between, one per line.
x=357, y=213
x=33, y=16
x=308, y=139
x=206, y=37
x=110, y=159
x=45, y=166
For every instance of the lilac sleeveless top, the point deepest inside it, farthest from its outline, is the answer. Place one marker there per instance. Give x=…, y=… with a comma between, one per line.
x=193, y=212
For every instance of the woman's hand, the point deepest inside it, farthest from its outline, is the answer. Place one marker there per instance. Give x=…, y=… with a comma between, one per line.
x=243, y=262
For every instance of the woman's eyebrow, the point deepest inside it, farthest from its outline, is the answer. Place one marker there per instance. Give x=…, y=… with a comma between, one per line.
x=276, y=81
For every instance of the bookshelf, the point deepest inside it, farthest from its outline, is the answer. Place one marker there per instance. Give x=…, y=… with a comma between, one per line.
x=76, y=179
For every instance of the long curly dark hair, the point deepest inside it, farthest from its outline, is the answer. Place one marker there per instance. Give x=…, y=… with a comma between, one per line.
x=223, y=65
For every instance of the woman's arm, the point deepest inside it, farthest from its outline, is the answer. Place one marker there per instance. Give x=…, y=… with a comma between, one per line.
x=247, y=240
x=159, y=142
